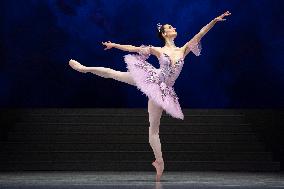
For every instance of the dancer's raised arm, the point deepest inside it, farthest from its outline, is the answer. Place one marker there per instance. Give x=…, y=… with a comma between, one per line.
x=196, y=39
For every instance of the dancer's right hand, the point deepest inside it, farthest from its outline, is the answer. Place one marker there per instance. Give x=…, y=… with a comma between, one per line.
x=108, y=45
x=221, y=17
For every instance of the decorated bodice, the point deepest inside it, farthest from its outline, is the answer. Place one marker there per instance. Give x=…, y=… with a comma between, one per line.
x=164, y=76
x=169, y=71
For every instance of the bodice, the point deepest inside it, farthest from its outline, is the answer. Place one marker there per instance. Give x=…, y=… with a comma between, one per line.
x=169, y=71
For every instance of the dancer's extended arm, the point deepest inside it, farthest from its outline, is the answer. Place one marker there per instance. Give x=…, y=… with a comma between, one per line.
x=129, y=48
x=196, y=39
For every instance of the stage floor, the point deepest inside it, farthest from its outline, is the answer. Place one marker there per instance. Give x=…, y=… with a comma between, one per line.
x=143, y=180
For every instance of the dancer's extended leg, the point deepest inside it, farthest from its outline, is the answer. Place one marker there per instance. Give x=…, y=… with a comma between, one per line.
x=155, y=113
x=103, y=72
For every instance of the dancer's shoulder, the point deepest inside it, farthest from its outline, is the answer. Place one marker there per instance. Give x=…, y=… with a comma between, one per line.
x=156, y=50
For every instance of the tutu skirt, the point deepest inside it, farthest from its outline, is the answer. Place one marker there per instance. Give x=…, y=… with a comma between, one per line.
x=146, y=77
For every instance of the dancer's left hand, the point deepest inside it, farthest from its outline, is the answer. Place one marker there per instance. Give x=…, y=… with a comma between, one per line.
x=221, y=17
x=108, y=45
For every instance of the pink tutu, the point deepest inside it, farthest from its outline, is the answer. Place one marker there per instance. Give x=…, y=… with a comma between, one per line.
x=157, y=84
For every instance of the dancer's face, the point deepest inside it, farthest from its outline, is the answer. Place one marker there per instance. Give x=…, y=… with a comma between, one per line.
x=170, y=31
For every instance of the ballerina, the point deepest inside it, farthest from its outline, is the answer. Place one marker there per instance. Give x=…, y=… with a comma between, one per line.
x=156, y=84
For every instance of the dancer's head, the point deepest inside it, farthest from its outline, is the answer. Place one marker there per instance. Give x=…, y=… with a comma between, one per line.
x=166, y=31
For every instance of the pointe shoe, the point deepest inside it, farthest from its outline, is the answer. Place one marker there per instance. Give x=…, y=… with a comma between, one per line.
x=77, y=66
x=159, y=165
x=158, y=177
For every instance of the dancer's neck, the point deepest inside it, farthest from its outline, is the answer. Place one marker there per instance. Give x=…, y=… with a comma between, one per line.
x=170, y=43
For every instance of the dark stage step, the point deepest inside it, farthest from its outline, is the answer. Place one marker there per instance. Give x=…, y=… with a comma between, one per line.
x=117, y=140
x=88, y=146
x=63, y=156
x=120, y=165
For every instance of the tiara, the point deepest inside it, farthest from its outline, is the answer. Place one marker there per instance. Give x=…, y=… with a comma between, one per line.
x=159, y=27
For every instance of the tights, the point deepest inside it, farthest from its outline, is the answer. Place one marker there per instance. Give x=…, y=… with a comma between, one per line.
x=155, y=112
x=113, y=74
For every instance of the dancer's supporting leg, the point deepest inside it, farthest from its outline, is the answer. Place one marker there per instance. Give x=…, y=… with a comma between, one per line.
x=155, y=113
x=103, y=72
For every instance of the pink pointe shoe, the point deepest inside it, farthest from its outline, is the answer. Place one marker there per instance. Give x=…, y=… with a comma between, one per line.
x=77, y=66
x=159, y=165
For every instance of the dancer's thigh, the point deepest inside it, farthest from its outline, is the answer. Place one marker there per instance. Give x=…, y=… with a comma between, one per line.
x=122, y=76
x=155, y=113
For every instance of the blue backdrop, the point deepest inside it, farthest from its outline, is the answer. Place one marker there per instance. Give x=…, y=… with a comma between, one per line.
x=241, y=65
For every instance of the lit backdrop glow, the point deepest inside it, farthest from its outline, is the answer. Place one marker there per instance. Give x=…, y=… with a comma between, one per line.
x=241, y=63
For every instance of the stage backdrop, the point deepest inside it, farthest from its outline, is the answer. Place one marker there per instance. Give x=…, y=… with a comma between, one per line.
x=241, y=65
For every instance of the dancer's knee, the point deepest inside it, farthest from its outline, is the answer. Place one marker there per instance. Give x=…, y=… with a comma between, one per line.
x=108, y=73
x=153, y=131
x=153, y=137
